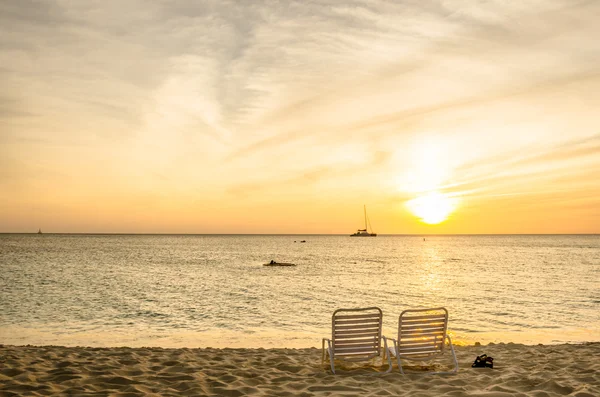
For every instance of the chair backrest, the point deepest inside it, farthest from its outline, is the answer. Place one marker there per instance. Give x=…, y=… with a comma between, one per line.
x=422, y=332
x=356, y=333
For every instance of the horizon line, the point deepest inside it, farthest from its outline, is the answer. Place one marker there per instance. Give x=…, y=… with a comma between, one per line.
x=297, y=234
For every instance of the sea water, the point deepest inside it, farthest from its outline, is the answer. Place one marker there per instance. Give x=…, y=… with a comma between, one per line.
x=213, y=290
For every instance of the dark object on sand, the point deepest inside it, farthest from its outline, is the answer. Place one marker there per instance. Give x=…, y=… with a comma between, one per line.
x=273, y=263
x=483, y=361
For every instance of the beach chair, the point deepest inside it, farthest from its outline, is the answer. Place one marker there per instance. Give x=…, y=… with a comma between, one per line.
x=422, y=334
x=355, y=336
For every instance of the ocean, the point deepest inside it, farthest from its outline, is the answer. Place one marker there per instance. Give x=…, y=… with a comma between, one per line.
x=212, y=290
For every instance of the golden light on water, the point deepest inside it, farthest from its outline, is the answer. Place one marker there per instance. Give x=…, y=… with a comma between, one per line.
x=433, y=208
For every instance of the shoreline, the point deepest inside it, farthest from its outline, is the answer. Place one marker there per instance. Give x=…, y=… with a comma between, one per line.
x=136, y=337
x=526, y=370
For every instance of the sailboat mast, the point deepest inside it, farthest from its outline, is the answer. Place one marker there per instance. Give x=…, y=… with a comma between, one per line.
x=365, y=209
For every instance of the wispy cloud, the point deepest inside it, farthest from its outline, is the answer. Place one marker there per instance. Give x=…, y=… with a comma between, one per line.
x=224, y=96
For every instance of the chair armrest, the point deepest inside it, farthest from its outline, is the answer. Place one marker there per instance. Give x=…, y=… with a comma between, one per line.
x=385, y=346
x=386, y=352
x=385, y=339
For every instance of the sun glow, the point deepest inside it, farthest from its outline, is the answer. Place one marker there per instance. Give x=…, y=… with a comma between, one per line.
x=426, y=175
x=428, y=167
x=432, y=208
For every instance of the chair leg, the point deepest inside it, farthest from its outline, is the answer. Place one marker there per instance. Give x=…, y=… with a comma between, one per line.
x=332, y=364
x=455, y=369
x=386, y=353
x=399, y=364
x=398, y=357
x=330, y=352
x=453, y=354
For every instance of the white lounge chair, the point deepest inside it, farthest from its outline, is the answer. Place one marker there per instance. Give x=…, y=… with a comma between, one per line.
x=355, y=336
x=421, y=336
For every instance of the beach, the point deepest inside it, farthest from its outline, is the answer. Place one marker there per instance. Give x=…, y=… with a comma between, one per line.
x=140, y=315
x=187, y=188
x=519, y=370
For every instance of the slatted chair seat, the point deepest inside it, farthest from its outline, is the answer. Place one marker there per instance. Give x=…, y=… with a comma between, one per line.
x=422, y=334
x=355, y=336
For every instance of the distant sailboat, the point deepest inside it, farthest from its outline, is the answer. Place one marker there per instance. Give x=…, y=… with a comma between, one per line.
x=365, y=232
x=39, y=231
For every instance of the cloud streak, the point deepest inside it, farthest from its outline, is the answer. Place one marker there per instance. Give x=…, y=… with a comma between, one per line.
x=319, y=97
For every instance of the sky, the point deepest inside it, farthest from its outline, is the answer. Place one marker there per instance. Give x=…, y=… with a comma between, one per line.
x=273, y=116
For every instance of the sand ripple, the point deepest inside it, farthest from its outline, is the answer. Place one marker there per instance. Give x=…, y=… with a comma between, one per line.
x=520, y=370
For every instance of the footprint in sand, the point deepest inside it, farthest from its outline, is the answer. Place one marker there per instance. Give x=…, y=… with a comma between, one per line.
x=11, y=372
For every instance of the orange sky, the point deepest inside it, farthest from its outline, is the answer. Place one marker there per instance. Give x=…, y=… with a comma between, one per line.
x=264, y=118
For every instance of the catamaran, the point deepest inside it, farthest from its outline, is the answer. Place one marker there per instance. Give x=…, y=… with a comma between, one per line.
x=365, y=232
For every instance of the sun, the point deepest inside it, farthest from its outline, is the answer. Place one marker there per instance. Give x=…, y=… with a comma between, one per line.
x=432, y=208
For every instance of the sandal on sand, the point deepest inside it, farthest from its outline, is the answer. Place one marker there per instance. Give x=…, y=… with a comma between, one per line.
x=483, y=361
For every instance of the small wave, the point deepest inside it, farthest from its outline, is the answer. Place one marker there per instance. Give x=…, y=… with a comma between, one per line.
x=543, y=327
x=148, y=313
x=375, y=260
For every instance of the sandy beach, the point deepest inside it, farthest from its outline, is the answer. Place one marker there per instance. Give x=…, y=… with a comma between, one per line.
x=519, y=370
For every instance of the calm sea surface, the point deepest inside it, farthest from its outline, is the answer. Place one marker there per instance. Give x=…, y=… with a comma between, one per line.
x=209, y=290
